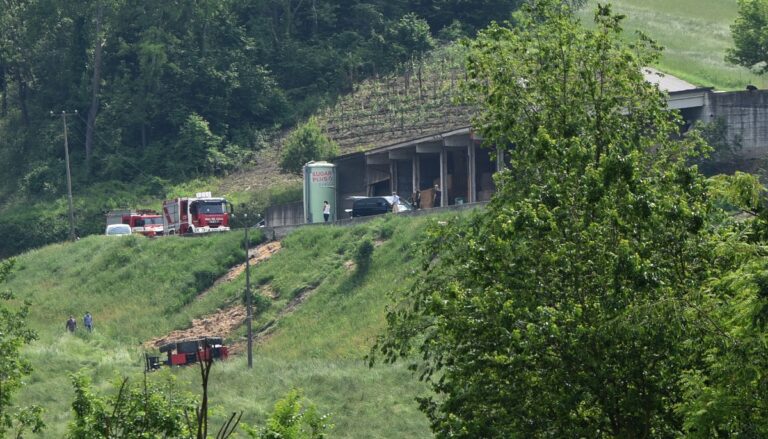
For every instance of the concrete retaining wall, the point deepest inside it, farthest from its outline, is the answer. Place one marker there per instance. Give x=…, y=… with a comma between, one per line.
x=285, y=214
x=746, y=116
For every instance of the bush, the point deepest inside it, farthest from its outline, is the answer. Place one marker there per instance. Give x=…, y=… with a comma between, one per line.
x=293, y=418
x=42, y=179
x=305, y=144
x=200, y=147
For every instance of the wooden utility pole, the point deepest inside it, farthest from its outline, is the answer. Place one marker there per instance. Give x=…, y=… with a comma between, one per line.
x=248, y=305
x=72, y=235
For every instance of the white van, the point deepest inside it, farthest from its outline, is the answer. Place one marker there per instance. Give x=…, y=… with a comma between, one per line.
x=118, y=230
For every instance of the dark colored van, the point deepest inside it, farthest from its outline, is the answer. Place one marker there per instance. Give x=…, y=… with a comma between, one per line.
x=368, y=206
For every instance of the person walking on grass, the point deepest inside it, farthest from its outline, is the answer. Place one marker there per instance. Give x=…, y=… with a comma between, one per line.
x=71, y=324
x=326, y=211
x=88, y=321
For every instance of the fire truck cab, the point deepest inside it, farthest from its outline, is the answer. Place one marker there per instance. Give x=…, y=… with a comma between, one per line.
x=200, y=214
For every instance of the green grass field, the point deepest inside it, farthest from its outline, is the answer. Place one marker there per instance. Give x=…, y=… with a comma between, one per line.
x=138, y=288
x=695, y=34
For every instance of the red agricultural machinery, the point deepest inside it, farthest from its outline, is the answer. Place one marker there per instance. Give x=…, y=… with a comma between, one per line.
x=190, y=351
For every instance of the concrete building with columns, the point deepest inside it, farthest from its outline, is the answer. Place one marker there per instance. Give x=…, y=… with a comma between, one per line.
x=453, y=157
x=456, y=160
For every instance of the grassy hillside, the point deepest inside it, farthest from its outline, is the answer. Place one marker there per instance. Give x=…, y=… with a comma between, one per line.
x=695, y=34
x=323, y=311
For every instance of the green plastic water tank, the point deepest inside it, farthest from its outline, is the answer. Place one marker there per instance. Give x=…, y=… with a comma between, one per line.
x=319, y=186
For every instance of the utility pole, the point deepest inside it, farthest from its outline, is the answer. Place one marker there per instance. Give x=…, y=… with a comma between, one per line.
x=248, y=305
x=72, y=235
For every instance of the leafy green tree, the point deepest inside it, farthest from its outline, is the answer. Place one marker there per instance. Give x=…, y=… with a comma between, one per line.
x=724, y=389
x=198, y=145
x=750, y=36
x=14, y=335
x=410, y=37
x=148, y=410
x=305, y=144
x=571, y=306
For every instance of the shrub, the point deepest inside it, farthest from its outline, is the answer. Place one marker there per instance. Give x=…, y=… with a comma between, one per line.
x=200, y=147
x=305, y=144
x=293, y=418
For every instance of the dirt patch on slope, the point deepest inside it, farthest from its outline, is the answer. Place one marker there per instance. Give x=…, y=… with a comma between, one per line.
x=262, y=175
x=255, y=255
x=219, y=324
x=222, y=322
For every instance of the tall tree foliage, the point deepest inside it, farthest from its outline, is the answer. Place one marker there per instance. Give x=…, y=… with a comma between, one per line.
x=573, y=306
x=750, y=36
x=146, y=76
x=136, y=70
x=724, y=388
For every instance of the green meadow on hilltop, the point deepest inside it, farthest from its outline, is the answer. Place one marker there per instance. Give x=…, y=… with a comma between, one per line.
x=140, y=288
x=695, y=35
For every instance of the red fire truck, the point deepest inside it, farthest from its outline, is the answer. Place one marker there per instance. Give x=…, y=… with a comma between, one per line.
x=200, y=214
x=143, y=221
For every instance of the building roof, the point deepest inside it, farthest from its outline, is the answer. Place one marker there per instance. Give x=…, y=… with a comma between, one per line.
x=455, y=119
x=667, y=82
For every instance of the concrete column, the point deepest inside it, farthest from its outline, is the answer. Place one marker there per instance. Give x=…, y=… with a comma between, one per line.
x=444, y=176
x=500, y=166
x=472, y=183
x=392, y=176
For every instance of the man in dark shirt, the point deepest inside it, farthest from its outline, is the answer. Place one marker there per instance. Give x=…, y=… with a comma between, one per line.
x=71, y=324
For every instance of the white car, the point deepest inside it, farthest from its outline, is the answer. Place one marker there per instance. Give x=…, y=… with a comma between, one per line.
x=118, y=230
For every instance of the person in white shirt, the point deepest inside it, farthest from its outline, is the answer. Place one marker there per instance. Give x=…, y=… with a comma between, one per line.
x=395, y=202
x=326, y=211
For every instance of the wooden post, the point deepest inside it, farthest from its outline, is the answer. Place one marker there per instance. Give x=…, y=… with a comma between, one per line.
x=472, y=174
x=443, y=176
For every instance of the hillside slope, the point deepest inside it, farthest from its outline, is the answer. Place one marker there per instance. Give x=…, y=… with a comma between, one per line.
x=318, y=311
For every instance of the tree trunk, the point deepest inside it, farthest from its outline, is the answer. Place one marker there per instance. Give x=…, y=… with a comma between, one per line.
x=4, y=92
x=314, y=18
x=22, y=85
x=92, y=112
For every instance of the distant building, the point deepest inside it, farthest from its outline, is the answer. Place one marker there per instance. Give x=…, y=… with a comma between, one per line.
x=450, y=154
